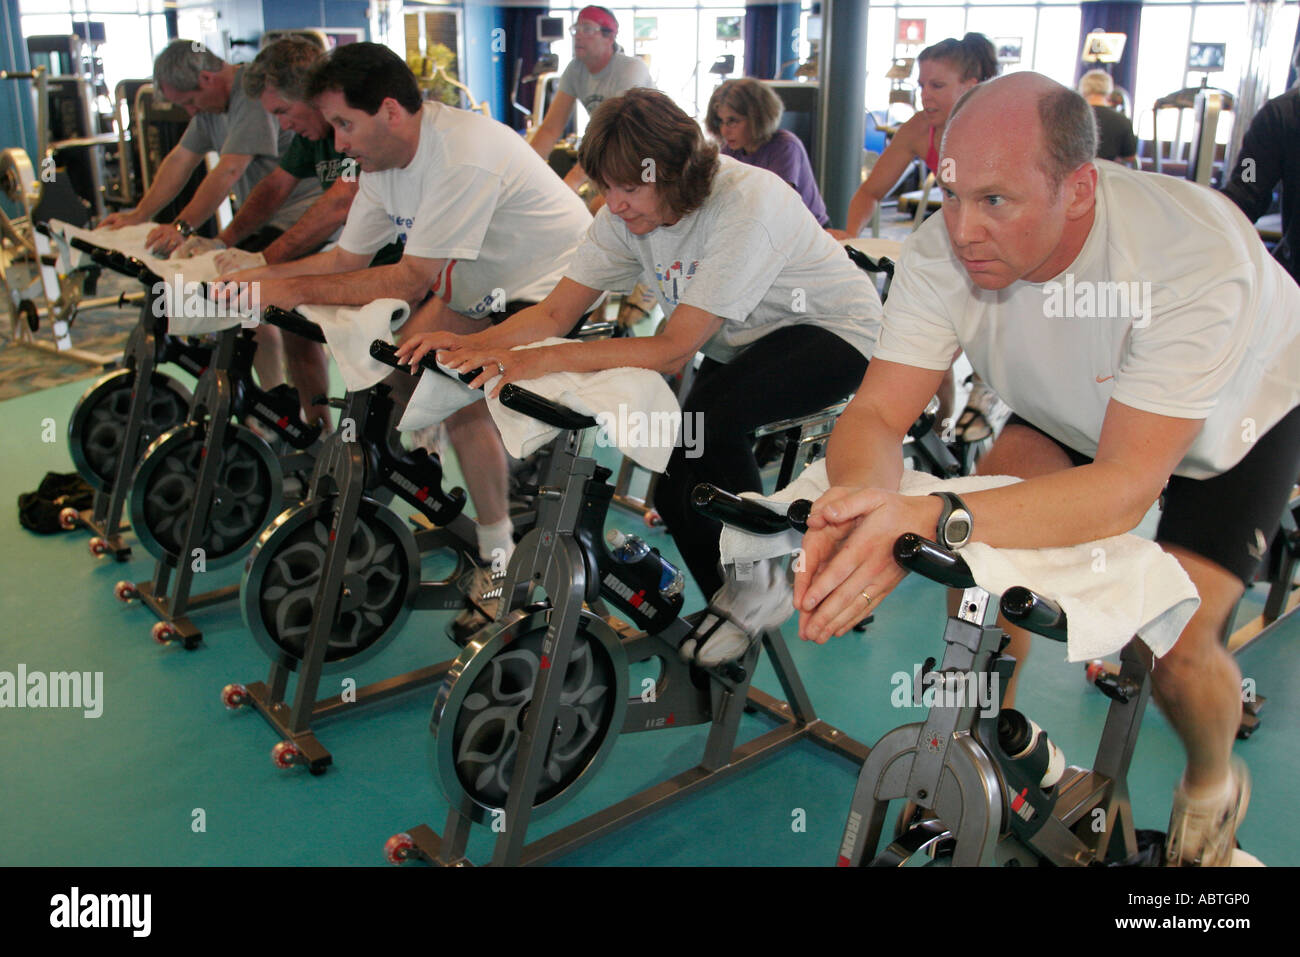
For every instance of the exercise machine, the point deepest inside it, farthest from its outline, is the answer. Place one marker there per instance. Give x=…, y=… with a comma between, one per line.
x=205, y=489
x=332, y=579
x=995, y=788
x=125, y=410
x=532, y=707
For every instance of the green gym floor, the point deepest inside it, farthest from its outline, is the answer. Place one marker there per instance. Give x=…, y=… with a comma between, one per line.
x=167, y=776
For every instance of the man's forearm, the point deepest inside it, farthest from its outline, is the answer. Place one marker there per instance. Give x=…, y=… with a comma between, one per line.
x=321, y=263
x=318, y=224
x=261, y=204
x=216, y=187
x=167, y=183
x=360, y=287
x=864, y=452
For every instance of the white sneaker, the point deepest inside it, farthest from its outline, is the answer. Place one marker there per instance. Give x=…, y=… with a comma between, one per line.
x=1204, y=834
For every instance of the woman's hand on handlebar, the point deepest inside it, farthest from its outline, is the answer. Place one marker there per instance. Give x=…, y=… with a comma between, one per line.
x=503, y=364
x=848, y=556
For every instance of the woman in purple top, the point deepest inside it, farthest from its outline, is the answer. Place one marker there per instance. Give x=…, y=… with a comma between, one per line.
x=744, y=114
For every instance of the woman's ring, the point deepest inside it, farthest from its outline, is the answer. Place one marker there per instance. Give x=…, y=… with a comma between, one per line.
x=501, y=370
x=866, y=596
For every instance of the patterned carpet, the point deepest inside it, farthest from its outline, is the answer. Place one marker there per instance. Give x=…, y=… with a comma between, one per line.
x=101, y=331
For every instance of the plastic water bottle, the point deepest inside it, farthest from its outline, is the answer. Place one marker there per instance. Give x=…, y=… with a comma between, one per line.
x=1018, y=737
x=629, y=549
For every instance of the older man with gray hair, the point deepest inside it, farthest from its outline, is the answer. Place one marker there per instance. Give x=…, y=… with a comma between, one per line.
x=1188, y=387
x=223, y=120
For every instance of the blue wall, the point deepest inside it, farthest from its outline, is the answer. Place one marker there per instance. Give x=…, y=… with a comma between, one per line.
x=17, y=116
x=292, y=14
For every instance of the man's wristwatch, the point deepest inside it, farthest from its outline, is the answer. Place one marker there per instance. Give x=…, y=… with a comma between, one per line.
x=184, y=228
x=954, y=528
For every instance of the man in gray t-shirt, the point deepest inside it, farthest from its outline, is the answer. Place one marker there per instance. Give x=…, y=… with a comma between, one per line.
x=599, y=71
x=224, y=120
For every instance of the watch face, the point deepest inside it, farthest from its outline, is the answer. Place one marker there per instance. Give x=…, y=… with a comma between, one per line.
x=958, y=529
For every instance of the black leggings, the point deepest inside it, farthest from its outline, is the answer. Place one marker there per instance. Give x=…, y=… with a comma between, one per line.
x=790, y=372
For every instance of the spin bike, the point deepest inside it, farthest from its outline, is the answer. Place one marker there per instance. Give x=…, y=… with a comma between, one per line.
x=125, y=410
x=533, y=706
x=332, y=579
x=983, y=776
x=204, y=490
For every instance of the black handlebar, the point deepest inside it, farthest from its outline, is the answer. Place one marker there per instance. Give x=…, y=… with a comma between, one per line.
x=512, y=396
x=293, y=322
x=935, y=562
x=1028, y=609
x=747, y=514
x=386, y=353
x=543, y=409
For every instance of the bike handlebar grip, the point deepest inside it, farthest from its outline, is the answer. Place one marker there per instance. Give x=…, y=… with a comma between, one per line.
x=293, y=322
x=932, y=560
x=742, y=513
x=386, y=353
x=543, y=409
x=1028, y=609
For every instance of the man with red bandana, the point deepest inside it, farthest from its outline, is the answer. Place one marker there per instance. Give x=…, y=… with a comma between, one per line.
x=599, y=70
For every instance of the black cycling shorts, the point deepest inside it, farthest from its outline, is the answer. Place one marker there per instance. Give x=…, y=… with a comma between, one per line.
x=1230, y=518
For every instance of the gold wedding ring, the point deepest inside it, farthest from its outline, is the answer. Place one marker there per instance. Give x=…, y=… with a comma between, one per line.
x=866, y=596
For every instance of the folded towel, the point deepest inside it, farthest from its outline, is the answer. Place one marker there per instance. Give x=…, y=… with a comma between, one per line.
x=189, y=310
x=637, y=412
x=1110, y=589
x=349, y=330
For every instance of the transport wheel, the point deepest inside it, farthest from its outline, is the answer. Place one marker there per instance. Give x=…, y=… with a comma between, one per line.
x=99, y=421
x=234, y=697
x=98, y=547
x=478, y=717
x=163, y=632
x=398, y=848
x=69, y=518
x=283, y=575
x=124, y=591
x=245, y=499
x=285, y=754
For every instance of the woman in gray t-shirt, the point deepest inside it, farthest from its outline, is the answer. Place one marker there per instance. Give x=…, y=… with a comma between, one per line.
x=744, y=274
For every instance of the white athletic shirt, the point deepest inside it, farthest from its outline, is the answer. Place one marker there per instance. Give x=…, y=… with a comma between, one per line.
x=476, y=195
x=752, y=255
x=621, y=74
x=1220, y=340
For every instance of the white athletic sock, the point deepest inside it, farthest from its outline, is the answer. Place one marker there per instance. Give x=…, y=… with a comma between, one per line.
x=496, y=544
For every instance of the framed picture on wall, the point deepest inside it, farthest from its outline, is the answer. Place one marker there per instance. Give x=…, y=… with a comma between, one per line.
x=645, y=28
x=911, y=33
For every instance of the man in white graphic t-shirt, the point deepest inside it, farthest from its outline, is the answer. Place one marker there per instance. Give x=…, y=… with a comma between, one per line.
x=486, y=226
x=1145, y=340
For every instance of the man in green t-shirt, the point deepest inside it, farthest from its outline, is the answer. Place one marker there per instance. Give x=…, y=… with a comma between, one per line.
x=277, y=77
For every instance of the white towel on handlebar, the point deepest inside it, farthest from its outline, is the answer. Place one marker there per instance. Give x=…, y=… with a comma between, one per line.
x=349, y=330
x=1110, y=589
x=189, y=311
x=637, y=412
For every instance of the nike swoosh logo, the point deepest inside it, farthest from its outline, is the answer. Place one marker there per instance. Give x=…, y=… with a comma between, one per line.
x=1104, y=378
